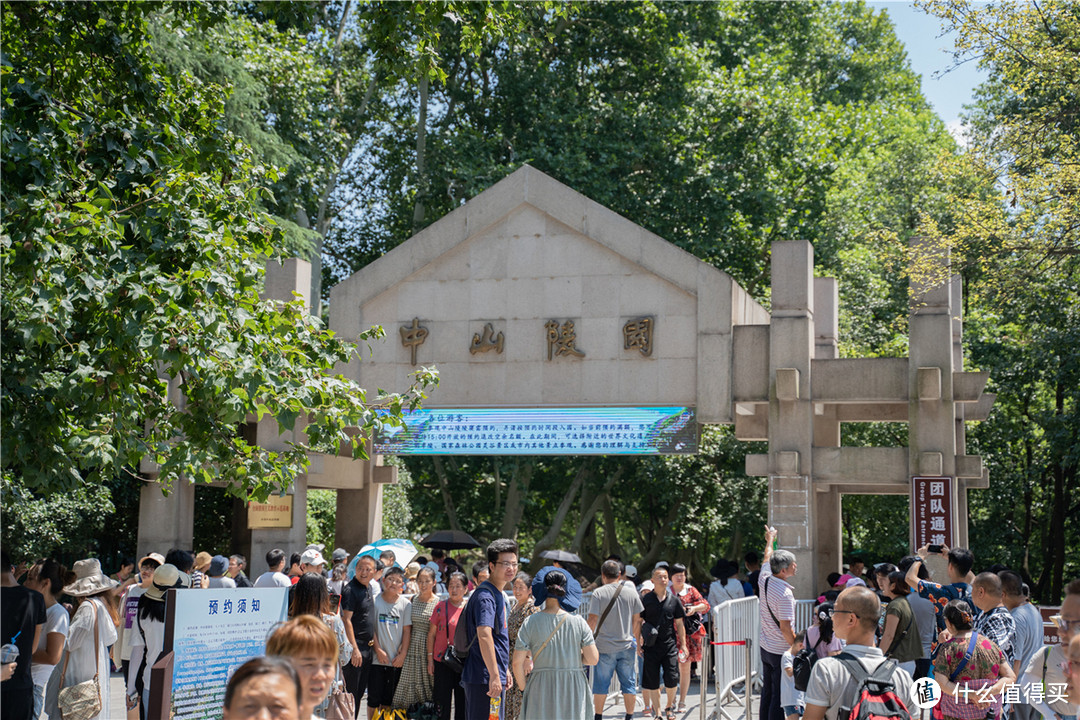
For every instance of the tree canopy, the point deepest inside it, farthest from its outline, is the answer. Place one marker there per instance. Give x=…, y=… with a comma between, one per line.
x=133, y=248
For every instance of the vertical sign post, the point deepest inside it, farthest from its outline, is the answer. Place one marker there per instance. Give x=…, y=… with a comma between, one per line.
x=933, y=500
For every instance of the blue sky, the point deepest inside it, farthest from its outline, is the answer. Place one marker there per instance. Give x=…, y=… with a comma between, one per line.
x=930, y=53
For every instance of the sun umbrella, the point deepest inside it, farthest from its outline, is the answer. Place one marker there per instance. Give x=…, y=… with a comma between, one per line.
x=450, y=540
x=560, y=556
x=404, y=552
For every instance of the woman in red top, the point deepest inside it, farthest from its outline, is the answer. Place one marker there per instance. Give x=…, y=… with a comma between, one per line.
x=695, y=607
x=444, y=620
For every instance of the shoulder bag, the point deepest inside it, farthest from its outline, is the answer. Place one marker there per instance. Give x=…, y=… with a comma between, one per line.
x=83, y=700
x=544, y=645
x=451, y=658
x=611, y=604
x=692, y=623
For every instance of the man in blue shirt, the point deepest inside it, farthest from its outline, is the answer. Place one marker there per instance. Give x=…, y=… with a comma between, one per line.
x=960, y=579
x=487, y=668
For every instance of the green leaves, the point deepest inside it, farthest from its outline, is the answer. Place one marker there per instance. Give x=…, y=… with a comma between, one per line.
x=133, y=247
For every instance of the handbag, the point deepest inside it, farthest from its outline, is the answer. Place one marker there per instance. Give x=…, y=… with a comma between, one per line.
x=423, y=711
x=83, y=700
x=451, y=658
x=649, y=633
x=340, y=705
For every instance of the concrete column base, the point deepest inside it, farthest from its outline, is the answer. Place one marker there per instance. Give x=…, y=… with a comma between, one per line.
x=166, y=522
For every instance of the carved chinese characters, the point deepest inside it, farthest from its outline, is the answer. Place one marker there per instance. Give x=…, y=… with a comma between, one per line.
x=561, y=337
x=413, y=336
x=562, y=342
x=637, y=334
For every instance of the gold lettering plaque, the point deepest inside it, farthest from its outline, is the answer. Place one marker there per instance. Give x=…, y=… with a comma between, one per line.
x=637, y=334
x=562, y=341
x=487, y=340
x=413, y=336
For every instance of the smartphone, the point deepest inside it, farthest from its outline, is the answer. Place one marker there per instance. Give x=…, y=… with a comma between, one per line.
x=934, y=549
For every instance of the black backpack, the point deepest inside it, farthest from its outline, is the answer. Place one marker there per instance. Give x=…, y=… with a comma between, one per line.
x=876, y=697
x=804, y=664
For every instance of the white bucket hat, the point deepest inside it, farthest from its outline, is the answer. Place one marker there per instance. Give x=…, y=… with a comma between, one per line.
x=89, y=580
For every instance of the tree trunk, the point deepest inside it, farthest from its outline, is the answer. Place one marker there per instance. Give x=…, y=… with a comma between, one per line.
x=515, y=499
x=421, y=153
x=611, y=539
x=444, y=487
x=552, y=535
x=498, y=486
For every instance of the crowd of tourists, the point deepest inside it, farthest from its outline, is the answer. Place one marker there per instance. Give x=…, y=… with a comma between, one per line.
x=429, y=640
x=976, y=635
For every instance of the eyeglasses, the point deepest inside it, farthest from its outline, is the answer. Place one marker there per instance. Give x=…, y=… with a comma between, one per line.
x=507, y=563
x=849, y=612
x=1063, y=624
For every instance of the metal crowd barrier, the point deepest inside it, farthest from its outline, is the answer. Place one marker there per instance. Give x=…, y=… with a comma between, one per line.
x=736, y=626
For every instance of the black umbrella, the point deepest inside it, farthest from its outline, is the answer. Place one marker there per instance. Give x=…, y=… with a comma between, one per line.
x=560, y=556
x=449, y=540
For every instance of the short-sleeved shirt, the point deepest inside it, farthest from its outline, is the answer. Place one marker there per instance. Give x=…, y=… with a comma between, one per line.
x=486, y=608
x=273, y=579
x=998, y=625
x=1029, y=632
x=662, y=614
x=357, y=599
x=926, y=618
x=821, y=648
x=832, y=687
x=1056, y=678
x=444, y=618
x=222, y=581
x=391, y=620
x=940, y=595
x=617, y=632
x=789, y=696
x=57, y=620
x=21, y=611
x=780, y=598
x=906, y=643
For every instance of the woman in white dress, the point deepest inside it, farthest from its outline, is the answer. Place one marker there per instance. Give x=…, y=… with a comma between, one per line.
x=148, y=634
x=86, y=656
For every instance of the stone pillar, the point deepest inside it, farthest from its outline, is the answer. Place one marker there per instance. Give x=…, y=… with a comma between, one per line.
x=359, y=513
x=166, y=522
x=791, y=412
x=290, y=540
x=828, y=510
x=932, y=428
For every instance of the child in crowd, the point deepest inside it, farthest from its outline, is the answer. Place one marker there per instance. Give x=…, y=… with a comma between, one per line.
x=393, y=630
x=791, y=700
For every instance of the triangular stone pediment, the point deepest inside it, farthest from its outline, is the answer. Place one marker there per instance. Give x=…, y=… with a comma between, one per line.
x=527, y=252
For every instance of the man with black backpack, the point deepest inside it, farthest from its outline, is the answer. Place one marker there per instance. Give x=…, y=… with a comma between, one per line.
x=859, y=683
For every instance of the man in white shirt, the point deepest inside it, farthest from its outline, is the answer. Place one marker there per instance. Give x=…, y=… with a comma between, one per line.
x=1047, y=667
x=832, y=690
x=777, y=614
x=274, y=577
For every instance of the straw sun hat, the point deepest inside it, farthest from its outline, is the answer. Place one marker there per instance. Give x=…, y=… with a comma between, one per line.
x=89, y=580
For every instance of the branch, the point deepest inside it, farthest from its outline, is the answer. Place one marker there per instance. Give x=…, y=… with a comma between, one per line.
x=594, y=507
x=444, y=487
x=552, y=534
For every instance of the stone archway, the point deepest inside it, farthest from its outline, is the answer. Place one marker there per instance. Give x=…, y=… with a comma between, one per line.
x=531, y=295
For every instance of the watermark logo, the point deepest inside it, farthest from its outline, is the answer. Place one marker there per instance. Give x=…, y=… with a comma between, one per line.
x=926, y=693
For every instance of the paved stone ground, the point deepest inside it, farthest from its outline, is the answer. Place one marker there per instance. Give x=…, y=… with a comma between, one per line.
x=612, y=711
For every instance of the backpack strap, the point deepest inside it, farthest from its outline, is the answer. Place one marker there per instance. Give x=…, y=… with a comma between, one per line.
x=968, y=655
x=854, y=667
x=883, y=673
